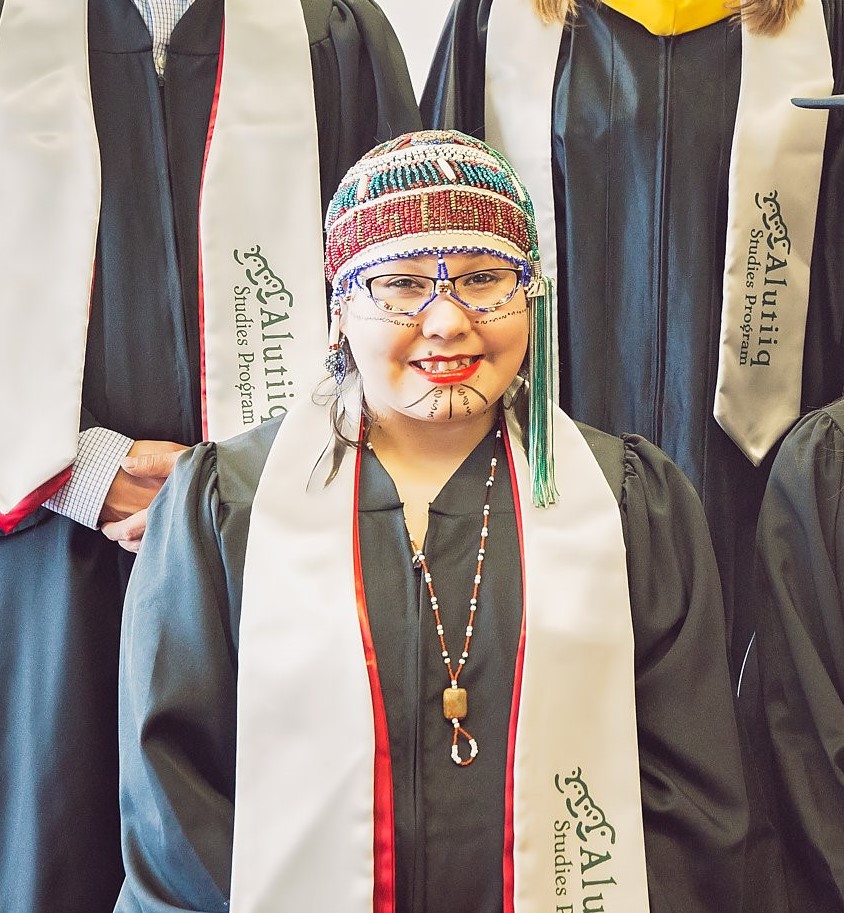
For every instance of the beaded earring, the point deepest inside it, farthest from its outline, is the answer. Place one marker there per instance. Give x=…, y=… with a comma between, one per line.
x=335, y=362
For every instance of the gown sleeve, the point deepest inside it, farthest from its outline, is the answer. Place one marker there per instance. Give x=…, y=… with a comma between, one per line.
x=800, y=642
x=362, y=88
x=454, y=92
x=178, y=692
x=695, y=806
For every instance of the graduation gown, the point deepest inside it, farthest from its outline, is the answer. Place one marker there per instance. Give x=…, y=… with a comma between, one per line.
x=62, y=585
x=800, y=644
x=180, y=665
x=642, y=135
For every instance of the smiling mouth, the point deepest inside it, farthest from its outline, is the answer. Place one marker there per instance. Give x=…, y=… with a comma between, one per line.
x=445, y=366
x=447, y=370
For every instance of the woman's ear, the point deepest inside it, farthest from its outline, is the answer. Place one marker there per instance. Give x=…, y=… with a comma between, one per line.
x=341, y=298
x=337, y=305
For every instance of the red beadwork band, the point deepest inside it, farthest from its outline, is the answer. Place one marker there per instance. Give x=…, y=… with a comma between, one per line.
x=432, y=210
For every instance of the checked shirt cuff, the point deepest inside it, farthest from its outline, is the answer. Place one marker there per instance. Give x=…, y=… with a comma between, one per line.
x=97, y=460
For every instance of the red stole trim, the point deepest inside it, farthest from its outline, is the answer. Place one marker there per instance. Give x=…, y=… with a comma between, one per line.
x=33, y=501
x=384, y=890
x=211, y=122
x=509, y=888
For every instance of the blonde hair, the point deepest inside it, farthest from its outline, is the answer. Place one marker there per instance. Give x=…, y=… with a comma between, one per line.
x=556, y=10
x=767, y=17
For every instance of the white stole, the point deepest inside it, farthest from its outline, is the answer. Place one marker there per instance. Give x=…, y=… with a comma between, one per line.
x=262, y=295
x=775, y=172
x=49, y=212
x=263, y=315
x=304, y=794
x=521, y=60
x=308, y=719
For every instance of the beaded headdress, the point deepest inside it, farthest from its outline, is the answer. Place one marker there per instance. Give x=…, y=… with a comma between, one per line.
x=441, y=191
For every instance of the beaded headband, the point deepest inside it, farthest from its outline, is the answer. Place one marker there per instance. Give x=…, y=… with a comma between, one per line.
x=441, y=191
x=420, y=188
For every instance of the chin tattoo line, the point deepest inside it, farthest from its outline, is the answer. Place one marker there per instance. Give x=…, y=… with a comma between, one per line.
x=436, y=392
x=459, y=400
x=477, y=393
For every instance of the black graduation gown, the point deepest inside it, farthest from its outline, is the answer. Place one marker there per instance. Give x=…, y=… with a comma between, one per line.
x=642, y=133
x=179, y=671
x=61, y=585
x=800, y=645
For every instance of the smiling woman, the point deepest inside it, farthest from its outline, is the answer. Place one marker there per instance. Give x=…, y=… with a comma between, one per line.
x=412, y=604
x=447, y=341
x=442, y=363
x=440, y=230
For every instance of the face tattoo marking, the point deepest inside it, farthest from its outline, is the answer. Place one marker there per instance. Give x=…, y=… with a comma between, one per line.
x=477, y=393
x=435, y=405
x=381, y=319
x=498, y=317
x=437, y=393
x=464, y=399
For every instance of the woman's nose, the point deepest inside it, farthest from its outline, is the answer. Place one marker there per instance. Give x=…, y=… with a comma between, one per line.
x=445, y=316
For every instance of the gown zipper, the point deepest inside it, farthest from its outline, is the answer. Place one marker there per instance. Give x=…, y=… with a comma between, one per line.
x=661, y=239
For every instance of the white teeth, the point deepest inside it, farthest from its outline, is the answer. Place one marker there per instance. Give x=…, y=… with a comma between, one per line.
x=440, y=367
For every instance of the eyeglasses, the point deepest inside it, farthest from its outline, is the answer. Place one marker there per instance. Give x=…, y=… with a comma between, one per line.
x=407, y=294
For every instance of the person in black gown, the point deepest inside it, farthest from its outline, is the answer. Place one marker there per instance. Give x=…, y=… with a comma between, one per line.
x=643, y=115
x=246, y=735
x=62, y=583
x=798, y=645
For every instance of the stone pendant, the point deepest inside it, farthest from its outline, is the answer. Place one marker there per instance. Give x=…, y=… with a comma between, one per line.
x=454, y=703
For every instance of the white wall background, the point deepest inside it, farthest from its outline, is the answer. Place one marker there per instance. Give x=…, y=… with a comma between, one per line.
x=418, y=24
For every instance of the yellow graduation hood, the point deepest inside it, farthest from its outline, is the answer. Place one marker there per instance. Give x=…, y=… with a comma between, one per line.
x=671, y=17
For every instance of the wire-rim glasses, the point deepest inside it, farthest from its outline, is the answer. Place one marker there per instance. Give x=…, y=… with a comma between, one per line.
x=407, y=294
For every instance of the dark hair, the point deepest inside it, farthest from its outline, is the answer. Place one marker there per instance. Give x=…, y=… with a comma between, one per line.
x=336, y=410
x=326, y=392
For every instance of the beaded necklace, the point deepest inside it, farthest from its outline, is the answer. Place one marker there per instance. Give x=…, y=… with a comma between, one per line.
x=455, y=704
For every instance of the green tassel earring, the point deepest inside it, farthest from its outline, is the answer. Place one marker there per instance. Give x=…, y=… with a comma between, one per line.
x=540, y=292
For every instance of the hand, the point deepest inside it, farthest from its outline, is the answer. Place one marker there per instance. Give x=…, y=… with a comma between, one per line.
x=127, y=533
x=142, y=472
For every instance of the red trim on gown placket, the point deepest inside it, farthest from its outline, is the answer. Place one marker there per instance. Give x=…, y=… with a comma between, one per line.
x=509, y=887
x=211, y=122
x=384, y=891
